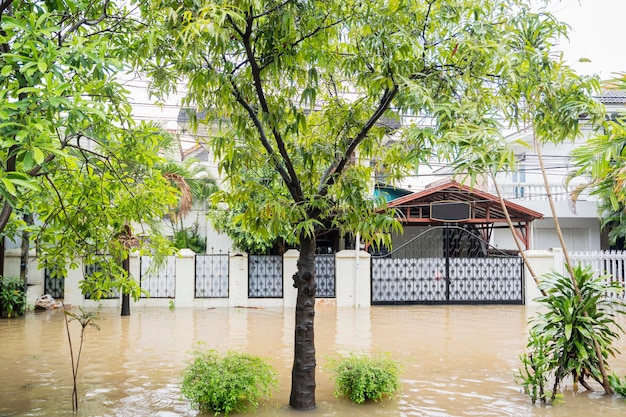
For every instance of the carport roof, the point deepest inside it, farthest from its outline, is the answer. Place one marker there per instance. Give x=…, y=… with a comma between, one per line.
x=464, y=205
x=484, y=207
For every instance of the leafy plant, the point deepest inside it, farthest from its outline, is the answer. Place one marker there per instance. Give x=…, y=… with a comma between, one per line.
x=86, y=319
x=12, y=296
x=189, y=238
x=233, y=382
x=564, y=334
x=618, y=385
x=361, y=377
x=533, y=377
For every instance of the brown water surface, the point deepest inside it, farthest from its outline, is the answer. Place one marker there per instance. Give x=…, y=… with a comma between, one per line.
x=458, y=361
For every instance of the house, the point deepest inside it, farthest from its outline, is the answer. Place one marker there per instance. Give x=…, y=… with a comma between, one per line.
x=463, y=222
x=579, y=221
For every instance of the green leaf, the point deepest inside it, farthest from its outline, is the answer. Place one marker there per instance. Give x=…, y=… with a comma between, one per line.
x=38, y=156
x=8, y=185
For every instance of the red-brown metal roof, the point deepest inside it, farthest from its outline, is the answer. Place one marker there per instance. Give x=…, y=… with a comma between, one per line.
x=485, y=207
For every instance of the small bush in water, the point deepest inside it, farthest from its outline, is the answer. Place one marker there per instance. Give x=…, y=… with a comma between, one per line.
x=12, y=296
x=234, y=382
x=361, y=377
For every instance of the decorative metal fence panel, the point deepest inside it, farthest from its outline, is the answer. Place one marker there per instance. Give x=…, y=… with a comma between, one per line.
x=449, y=264
x=486, y=279
x=325, y=275
x=90, y=270
x=212, y=275
x=54, y=286
x=610, y=263
x=161, y=282
x=408, y=280
x=265, y=276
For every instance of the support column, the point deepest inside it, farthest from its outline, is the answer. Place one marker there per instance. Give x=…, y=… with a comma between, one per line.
x=290, y=267
x=238, y=280
x=185, y=278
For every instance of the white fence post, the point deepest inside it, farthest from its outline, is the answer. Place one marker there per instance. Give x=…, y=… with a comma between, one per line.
x=238, y=279
x=352, y=278
x=542, y=262
x=185, y=278
x=290, y=267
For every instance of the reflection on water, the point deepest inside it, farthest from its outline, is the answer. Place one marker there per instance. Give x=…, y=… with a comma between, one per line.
x=458, y=360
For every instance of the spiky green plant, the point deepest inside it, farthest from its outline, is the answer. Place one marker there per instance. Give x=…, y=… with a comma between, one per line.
x=564, y=333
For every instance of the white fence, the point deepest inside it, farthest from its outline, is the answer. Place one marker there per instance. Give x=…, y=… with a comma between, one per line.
x=207, y=281
x=534, y=192
x=611, y=263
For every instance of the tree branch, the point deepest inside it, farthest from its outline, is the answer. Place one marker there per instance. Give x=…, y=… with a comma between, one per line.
x=292, y=178
x=263, y=138
x=330, y=176
x=84, y=21
x=273, y=9
x=5, y=5
x=267, y=61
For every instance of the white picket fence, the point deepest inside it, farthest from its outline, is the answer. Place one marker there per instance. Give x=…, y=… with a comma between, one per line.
x=611, y=263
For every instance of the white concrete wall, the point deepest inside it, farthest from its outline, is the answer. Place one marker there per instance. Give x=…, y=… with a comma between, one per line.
x=353, y=278
x=35, y=275
x=542, y=262
x=290, y=267
x=353, y=281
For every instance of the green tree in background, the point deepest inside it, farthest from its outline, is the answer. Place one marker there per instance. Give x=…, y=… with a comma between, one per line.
x=603, y=162
x=75, y=165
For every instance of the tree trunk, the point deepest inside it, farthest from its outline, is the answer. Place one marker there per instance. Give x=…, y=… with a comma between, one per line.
x=608, y=390
x=25, y=249
x=2, y=246
x=125, y=305
x=126, y=297
x=303, y=371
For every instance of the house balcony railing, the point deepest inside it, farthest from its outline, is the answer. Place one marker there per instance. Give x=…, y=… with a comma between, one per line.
x=535, y=192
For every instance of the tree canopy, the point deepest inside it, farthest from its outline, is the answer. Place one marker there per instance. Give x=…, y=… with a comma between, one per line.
x=72, y=155
x=328, y=94
x=602, y=162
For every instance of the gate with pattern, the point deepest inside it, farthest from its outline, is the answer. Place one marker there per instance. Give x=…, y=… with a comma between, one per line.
x=448, y=265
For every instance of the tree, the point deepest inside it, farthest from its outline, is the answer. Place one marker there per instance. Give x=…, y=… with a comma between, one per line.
x=72, y=156
x=602, y=162
x=544, y=96
x=309, y=88
x=103, y=208
x=196, y=186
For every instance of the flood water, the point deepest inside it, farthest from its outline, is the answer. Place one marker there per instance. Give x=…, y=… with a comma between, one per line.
x=457, y=360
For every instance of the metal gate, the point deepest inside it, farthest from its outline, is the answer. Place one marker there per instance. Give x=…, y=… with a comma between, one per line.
x=447, y=264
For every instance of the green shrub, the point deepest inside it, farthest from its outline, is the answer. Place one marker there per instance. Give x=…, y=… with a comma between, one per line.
x=12, y=296
x=361, y=377
x=226, y=383
x=189, y=238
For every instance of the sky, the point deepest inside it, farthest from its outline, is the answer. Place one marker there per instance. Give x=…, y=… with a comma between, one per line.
x=597, y=32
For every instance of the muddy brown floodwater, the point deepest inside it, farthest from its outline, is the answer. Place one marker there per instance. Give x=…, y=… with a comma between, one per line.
x=458, y=361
